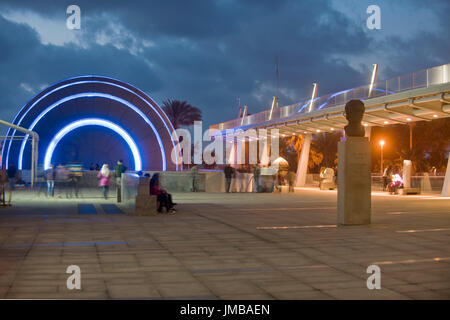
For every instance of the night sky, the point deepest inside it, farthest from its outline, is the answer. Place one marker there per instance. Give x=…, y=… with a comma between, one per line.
x=210, y=52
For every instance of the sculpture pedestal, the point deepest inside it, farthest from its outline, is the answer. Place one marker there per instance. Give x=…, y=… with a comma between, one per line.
x=146, y=204
x=354, y=181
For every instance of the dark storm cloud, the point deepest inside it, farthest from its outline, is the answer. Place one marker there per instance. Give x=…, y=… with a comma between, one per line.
x=26, y=62
x=206, y=52
x=424, y=49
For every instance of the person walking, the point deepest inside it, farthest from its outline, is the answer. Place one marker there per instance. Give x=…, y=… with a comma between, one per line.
x=164, y=199
x=387, y=177
x=104, y=176
x=396, y=181
x=256, y=175
x=291, y=180
x=50, y=176
x=195, y=178
x=229, y=172
x=62, y=176
x=12, y=175
x=119, y=169
x=4, y=181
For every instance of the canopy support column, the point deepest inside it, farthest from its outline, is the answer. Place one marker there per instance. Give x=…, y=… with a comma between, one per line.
x=302, y=168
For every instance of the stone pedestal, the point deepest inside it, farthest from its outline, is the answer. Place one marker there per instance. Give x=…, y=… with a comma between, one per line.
x=302, y=167
x=407, y=168
x=425, y=183
x=446, y=187
x=146, y=205
x=143, y=186
x=354, y=181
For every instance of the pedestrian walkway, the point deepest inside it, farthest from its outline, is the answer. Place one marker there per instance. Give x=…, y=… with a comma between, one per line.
x=226, y=246
x=86, y=208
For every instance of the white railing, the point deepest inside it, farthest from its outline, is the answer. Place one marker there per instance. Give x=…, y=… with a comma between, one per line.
x=419, y=79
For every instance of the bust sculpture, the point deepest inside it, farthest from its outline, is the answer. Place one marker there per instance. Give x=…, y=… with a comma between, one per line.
x=354, y=112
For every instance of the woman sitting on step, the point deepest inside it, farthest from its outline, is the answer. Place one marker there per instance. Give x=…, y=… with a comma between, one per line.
x=164, y=199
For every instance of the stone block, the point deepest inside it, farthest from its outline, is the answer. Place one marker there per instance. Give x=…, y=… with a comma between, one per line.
x=327, y=185
x=143, y=186
x=146, y=205
x=354, y=181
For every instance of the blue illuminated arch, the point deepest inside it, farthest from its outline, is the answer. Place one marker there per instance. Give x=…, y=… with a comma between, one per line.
x=93, y=94
x=93, y=122
x=158, y=114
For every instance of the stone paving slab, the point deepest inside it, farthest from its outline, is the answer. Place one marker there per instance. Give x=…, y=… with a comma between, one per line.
x=226, y=246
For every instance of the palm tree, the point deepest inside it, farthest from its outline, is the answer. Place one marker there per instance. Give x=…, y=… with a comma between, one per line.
x=181, y=113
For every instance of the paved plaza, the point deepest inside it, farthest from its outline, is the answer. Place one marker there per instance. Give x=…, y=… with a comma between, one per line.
x=226, y=246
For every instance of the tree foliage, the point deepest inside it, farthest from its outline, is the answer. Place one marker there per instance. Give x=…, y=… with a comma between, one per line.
x=181, y=113
x=430, y=141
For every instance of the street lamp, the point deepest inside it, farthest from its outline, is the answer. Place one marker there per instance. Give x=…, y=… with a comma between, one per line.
x=381, y=160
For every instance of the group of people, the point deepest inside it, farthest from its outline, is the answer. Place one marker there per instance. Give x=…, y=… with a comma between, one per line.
x=104, y=177
x=68, y=177
x=392, y=180
x=279, y=178
x=164, y=198
x=8, y=180
x=63, y=178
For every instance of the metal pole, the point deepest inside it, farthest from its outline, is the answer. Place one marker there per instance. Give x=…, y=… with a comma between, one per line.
x=36, y=154
x=410, y=138
x=32, y=161
x=381, y=161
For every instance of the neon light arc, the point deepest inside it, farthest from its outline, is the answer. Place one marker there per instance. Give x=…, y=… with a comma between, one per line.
x=93, y=122
x=94, y=94
x=103, y=80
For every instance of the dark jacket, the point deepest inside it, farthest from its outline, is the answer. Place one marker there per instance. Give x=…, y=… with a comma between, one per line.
x=228, y=171
x=12, y=171
x=119, y=169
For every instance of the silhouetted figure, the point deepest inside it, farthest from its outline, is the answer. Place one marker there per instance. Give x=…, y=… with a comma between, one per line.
x=228, y=172
x=12, y=174
x=62, y=180
x=164, y=198
x=195, y=178
x=50, y=176
x=4, y=181
x=387, y=177
x=256, y=175
x=291, y=180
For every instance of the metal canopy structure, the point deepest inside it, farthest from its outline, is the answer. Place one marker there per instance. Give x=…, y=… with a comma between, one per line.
x=419, y=96
x=423, y=95
x=402, y=108
x=34, y=146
